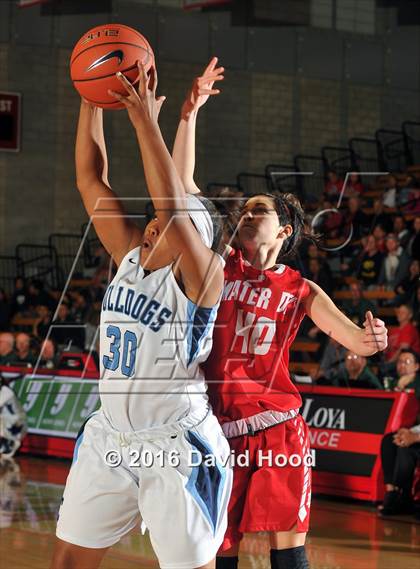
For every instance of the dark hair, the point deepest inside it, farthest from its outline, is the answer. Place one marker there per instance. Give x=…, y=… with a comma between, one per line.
x=214, y=214
x=36, y=283
x=380, y=225
x=229, y=217
x=290, y=212
x=217, y=222
x=410, y=351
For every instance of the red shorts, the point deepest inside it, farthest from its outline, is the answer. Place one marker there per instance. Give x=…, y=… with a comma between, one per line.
x=270, y=497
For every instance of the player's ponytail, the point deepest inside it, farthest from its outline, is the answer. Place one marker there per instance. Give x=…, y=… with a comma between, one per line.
x=290, y=212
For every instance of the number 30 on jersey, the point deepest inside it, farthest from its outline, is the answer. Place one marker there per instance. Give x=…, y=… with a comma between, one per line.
x=123, y=354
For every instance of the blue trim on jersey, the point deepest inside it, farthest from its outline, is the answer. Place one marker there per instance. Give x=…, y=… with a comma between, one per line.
x=199, y=322
x=76, y=447
x=80, y=434
x=190, y=327
x=206, y=483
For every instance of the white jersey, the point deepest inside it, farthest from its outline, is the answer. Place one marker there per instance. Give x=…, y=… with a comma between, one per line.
x=153, y=339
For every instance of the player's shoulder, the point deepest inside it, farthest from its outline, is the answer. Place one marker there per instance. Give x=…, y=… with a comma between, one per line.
x=229, y=252
x=129, y=268
x=231, y=257
x=292, y=280
x=132, y=257
x=286, y=272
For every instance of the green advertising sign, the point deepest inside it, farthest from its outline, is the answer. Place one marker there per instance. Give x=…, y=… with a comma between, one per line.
x=33, y=397
x=87, y=403
x=57, y=406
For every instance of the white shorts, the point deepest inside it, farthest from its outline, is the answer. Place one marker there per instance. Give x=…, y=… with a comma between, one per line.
x=163, y=479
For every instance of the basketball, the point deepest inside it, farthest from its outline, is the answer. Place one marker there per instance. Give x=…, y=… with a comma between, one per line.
x=99, y=54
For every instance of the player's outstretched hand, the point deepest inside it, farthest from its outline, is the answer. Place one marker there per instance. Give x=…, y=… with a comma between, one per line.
x=142, y=103
x=375, y=333
x=202, y=88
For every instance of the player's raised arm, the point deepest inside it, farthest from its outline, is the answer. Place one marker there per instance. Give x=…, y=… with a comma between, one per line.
x=200, y=269
x=366, y=341
x=183, y=152
x=117, y=233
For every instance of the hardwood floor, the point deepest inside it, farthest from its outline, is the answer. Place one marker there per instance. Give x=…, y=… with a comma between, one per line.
x=343, y=535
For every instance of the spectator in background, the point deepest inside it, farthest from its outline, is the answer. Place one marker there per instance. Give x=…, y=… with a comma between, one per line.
x=60, y=332
x=357, y=306
x=354, y=186
x=23, y=353
x=64, y=332
x=410, y=203
x=400, y=451
x=19, y=299
x=332, y=357
x=7, y=343
x=400, y=230
x=408, y=375
x=309, y=251
x=355, y=373
x=330, y=225
x=42, y=323
x=390, y=195
x=406, y=289
x=354, y=215
x=408, y=197
x=37, y=295
x=413, y=246
x=320, y=273
x=334, y=186
x=82, y=303
x=48, y=357
x=380, y=217
x=5, y=311
x=395, y=264
x=370, y=264
x=379, y=234
x=103, y=273
x=404, y=337
x=313, y=252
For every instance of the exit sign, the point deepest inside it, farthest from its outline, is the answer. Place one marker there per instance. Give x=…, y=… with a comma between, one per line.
x=10, y=114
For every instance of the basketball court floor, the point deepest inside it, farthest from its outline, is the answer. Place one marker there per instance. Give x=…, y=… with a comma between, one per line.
x=343, y=535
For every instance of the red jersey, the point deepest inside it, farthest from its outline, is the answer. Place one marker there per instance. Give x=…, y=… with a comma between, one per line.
x=258, y=319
